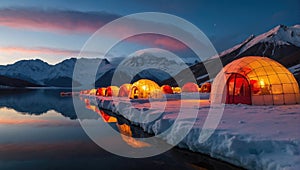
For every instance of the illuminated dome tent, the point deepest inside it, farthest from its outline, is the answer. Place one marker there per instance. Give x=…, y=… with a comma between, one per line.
x=124, y=90
x=145, y=89
x=112, y=91
x=166, y=89
x=206, y=87
x=258, y=81
x=190, y=87
x=176, y=90
x=93, y=92
x=101, y=91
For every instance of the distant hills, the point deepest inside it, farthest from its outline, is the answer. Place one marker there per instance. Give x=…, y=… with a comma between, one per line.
x=37, y=73
x=281, y=43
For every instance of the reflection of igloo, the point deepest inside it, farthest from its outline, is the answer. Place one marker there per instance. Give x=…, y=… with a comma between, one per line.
x=258, y=81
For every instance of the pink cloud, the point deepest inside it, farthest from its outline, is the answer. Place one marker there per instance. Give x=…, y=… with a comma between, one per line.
x=170, y=43
x=43, y=51
x=54, y=20
x=67, y=22
x=156, y=40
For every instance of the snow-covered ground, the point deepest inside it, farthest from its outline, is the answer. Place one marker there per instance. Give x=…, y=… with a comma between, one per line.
x=253, y=137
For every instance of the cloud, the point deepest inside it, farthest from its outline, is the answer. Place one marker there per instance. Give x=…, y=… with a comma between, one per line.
x=170, y=43
x=14, y=50
x=11, y=54
x=74, y=22
x=54, y=20
x=158, y=41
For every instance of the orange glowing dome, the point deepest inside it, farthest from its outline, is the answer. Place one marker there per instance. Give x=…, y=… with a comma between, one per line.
x=101, y=91
x=145, y=89
x=206, y=87
x=166, y=89
x=93, y=92
x=190, y=87
x=112, y=91
x=258, y=81
x=176, y=90
x=124, y=90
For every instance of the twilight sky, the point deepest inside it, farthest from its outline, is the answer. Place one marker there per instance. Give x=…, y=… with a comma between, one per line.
x=56, y=30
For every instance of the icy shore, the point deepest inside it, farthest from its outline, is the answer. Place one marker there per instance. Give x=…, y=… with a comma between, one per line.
x=252, y=137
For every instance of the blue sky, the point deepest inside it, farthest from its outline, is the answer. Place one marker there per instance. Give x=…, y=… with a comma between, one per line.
x=56, y=30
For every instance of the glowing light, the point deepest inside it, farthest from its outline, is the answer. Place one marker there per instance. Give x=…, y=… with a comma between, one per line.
x=144, y=87
x=262, y=83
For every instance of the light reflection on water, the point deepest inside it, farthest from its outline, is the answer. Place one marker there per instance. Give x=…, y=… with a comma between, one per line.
x=40, y=130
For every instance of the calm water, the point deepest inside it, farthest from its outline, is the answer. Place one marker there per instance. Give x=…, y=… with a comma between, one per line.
x=40, y=130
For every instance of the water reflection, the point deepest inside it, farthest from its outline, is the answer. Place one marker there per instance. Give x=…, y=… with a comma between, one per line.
x=125, y=130
x=40, y=130
x=39, y=101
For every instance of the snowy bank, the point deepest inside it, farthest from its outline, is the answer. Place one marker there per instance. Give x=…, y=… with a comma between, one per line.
x=253, y=137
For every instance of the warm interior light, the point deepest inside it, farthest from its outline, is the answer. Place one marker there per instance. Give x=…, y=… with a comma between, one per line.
x=144, y=87
x=262, y=83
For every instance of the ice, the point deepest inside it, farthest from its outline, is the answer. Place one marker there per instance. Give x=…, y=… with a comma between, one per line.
x=253, y=137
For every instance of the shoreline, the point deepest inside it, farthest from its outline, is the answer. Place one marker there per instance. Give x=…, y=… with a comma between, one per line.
x=198, y=159
x=237, y=140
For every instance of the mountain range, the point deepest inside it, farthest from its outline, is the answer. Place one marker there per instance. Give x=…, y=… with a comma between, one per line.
x=281, y=43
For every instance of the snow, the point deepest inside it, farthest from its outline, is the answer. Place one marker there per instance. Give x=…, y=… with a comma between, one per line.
x=280, y=35
x=38, y=71
x=155, y=59
x=202, y=77
x=294, y=69
x=253, y=137
x=34, y=70
x=237, y=46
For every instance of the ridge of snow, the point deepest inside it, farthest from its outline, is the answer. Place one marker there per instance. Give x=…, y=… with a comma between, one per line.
x=145, y=60
x=38, y=71
x=253, y=137
x=280, y=35
x=237, y=46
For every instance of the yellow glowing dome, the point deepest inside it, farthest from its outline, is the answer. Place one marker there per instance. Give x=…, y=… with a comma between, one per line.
x=259, y=81
x=145, y=89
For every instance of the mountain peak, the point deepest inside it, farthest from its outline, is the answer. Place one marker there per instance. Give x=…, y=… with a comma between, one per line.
x=275, y=38
x=280, y=35
x=31, y=61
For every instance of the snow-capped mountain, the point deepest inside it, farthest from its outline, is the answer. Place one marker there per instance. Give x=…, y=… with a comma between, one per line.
x=281, y=43
x=29, y=70
x=153, y=65
x=40, y=73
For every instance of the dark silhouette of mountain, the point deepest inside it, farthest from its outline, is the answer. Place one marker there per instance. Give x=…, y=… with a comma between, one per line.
x=106, y=79
x=61, y=82
x=121, y=77
x=36, y=102
x=13, y=82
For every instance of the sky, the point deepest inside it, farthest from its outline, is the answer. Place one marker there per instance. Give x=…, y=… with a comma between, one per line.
x=56, y=30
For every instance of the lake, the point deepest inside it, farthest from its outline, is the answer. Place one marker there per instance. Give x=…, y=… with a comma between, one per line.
x=39, y=129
